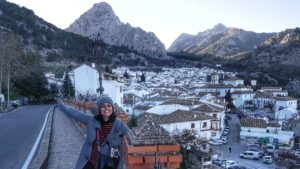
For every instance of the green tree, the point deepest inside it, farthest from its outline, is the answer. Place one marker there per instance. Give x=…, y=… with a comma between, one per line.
x=35, y=84
x=133, y=121
x=143, y=78
x=229, y=100
x=67, y=87
x=53, y=91
x=108, y=69
x=126, y=75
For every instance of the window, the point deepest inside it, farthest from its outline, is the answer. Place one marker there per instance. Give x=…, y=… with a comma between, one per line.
x=268, y=131
x=215, y=115
x=204, y=124
x=213, y=134
x=193, y=125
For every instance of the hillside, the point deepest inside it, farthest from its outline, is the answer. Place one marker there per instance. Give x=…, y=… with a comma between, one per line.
x=219, y=41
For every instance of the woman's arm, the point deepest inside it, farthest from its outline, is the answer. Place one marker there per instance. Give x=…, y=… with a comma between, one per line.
x=73, y=113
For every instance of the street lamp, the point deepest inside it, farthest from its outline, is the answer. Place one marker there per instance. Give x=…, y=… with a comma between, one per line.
x=98, y=50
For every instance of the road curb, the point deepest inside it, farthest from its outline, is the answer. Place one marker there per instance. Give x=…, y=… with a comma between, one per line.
x=40, y=159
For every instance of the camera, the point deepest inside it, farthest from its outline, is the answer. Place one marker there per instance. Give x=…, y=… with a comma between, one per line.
x=114, y=153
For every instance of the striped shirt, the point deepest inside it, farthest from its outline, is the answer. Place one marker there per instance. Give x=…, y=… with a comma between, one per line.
x=106, y=128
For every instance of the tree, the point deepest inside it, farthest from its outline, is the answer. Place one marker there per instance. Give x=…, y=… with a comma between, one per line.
x=53, y=91
x=143, y=78
x=108, y=69
x=229, y=100
x=67, y=87
x=35, y=84
x=126, y=74
x=133, y=121
x=11, y=66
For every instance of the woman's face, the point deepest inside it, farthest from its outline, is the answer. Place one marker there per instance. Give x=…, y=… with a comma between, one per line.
x=106, y=110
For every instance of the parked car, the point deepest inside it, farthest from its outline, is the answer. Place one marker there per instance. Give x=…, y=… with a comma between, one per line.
x=227, y=129
x=237, y=167
x=297, y=153
x=270, y=148
x=218, y=161
x=224, y=140
x=224, y=137
x=226, y=132
x=216, y=142
x=228, y=163
x=250, y=155
x=267, y=159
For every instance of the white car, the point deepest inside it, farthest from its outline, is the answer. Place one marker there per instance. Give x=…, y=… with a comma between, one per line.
x=270, y=148
x=216, y=142
x=228, y=163
x=224, y=137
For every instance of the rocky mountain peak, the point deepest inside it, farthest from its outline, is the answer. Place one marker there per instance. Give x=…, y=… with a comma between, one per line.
x=219, y=26
x=101, y=21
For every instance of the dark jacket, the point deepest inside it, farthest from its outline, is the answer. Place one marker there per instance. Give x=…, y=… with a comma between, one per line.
x=114, y=138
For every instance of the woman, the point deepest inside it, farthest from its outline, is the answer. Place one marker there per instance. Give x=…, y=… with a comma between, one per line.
x=101, y=148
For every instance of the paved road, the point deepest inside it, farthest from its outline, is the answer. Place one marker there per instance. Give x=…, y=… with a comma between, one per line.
x=19, y=131
x=66, y=142
x=238, y=148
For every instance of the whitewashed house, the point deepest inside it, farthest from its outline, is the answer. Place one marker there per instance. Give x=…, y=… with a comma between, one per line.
x=280, y=93
x=242, y=98
x=220, y=88
x=218, y=114
x=181, y=119
x=270, y=89
x=254, y=129
x=166, y=109
x=2, y=98
x=261, y=100
x=235, y=81
x=86, y=82
x=285, y=107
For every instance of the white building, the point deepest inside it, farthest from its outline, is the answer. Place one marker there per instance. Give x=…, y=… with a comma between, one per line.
x=234, y=81
x=261, y=100
x=270, y=89
x=166, y=109
x=254, y=129
x=182, y=119
x=220, y=88
x=86, y=82
x=2, y=98
x=218, y=114
x=285, y=107
x=242, y=98
x=285, y=102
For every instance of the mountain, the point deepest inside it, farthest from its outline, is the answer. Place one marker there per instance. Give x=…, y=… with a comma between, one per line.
x=41, y=37
x=282, y=48
x=277, y=59
x=59, y=48
x=219, y=41
x=101, y=22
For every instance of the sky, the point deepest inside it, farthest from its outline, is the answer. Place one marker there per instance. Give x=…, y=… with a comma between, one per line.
x=169, y=18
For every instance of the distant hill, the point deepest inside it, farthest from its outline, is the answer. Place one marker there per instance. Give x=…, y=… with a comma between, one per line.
x=219, y=41
x=60, y=48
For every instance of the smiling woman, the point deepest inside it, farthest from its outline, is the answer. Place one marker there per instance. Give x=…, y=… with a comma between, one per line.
x=104, y=136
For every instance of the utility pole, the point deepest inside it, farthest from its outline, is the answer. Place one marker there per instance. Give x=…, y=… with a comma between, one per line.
x=98, y=50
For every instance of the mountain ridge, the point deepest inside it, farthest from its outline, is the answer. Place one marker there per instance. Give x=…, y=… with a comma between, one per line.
x=100, y=22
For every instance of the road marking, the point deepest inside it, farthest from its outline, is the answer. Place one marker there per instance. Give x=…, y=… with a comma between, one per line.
x=37, y=141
